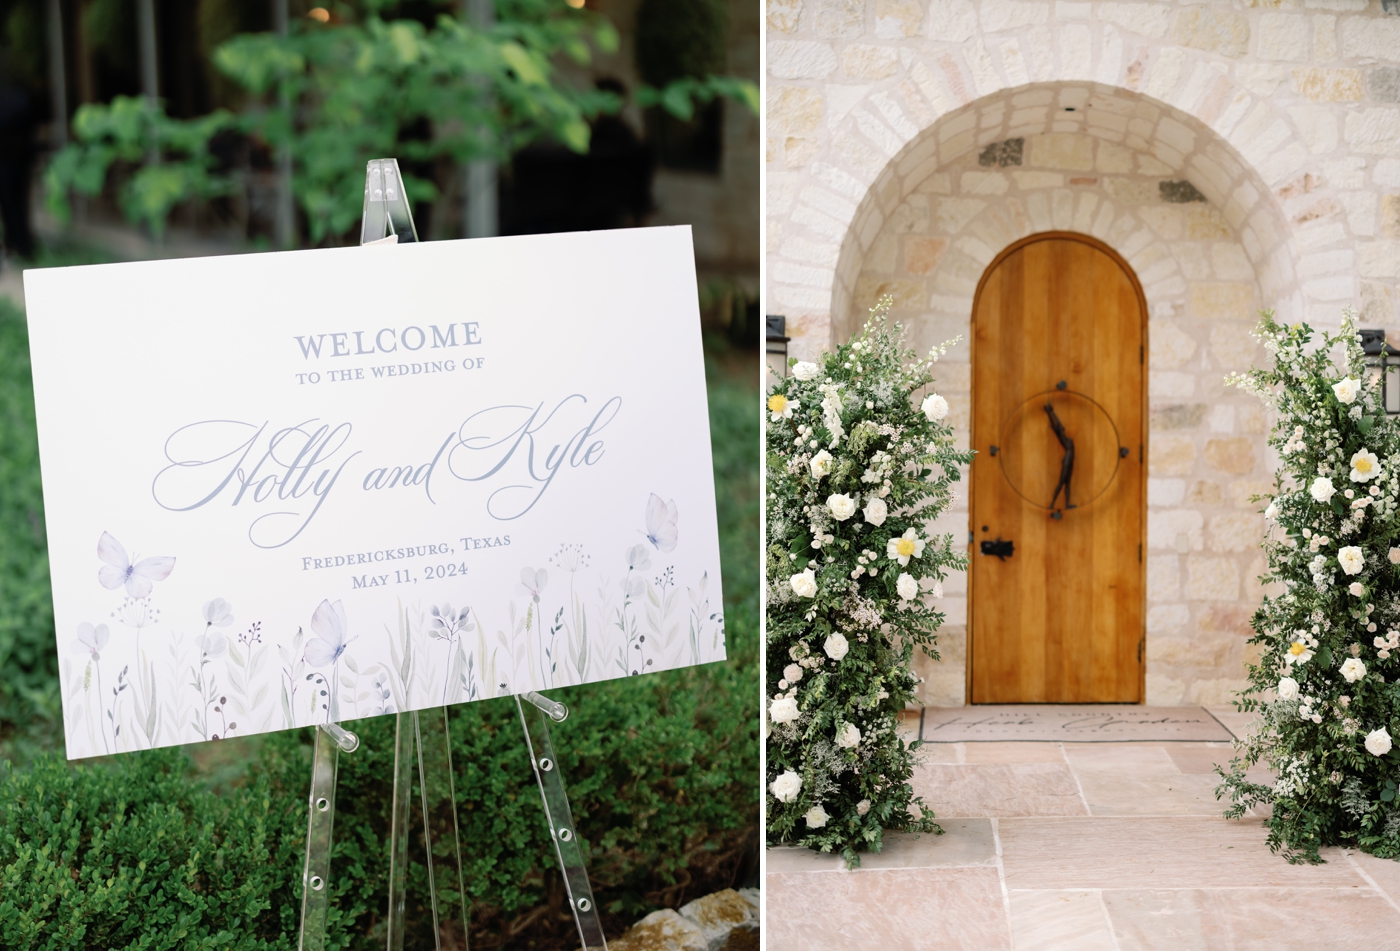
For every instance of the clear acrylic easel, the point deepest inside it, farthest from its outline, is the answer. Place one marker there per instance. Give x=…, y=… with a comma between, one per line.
x=388, y=220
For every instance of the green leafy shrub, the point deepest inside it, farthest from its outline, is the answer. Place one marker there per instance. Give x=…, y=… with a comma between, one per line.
x=372, y=85
x=130, y=854
x=29, y=687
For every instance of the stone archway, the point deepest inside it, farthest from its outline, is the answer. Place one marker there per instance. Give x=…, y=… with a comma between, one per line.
x=1211, y=245
x=1236, y=157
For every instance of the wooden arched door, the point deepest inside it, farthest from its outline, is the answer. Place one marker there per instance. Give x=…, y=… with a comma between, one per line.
x=1057, y=600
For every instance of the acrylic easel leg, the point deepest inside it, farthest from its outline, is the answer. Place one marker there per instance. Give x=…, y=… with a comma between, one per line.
x=442, y=840
x=315, y=878
x=426, y=734
x=398, y=826
x=535, y=713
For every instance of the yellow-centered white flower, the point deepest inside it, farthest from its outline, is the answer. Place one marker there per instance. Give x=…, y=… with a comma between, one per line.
x=1364, y=466
x=780, y=407
x=1298, y=653
x=909, y=545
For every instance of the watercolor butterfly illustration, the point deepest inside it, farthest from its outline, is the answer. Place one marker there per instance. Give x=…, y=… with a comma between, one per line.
x=119, y=570
x=661, y=523
x=329, y=643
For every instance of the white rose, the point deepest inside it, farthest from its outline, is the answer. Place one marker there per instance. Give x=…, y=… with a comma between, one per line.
x=783, y=710
x=822, y=462
x=848, y=737
x=1288, y=689
x=935, y=407
x=1353, y=670
x=792, y=673
x=841, y=507
x=1351, y=559
x=1378, y=742
x=1272, y=511
x=1321, y=490
x=816, y=817
x=937, y=590
x=907, y=587
x=862, y=807
x=786, y=787
x=804, y=584
x=1346, y=390
x=1394, y=556
x=805, y=371
x=876, y=512
x=1356, y=588
x=1364, y=465
x=836, y=646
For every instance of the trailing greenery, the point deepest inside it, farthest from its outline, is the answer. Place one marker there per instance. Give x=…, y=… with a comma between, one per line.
x=1326, y=687
x=659, y=769
x=858, y=463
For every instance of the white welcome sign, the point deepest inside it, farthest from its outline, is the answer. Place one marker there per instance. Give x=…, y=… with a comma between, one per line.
x=289, y=488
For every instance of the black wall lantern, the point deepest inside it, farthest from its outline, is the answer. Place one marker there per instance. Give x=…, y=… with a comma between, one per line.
x=1383, y=359
x=777, y=344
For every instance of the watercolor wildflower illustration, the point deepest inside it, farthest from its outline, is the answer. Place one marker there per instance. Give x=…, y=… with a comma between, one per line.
x=136, y=681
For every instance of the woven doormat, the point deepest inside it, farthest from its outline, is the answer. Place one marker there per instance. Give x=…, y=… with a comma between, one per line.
x=1078, y=723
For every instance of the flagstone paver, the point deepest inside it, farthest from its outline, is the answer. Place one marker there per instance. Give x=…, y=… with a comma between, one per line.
x=1137, y=859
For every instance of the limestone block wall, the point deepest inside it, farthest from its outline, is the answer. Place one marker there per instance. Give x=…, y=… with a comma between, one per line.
x=1237, y=156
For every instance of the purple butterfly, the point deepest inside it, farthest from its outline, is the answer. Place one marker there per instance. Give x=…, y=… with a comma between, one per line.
x=329, y=643
x=119, y=570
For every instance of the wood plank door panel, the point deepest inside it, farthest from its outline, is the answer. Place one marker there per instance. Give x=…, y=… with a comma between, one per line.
x=1059, y=321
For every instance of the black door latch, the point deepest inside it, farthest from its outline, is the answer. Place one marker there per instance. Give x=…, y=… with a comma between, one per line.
x=1002, y=548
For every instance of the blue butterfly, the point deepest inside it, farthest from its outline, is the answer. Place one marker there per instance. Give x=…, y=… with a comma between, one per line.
x=661, y=523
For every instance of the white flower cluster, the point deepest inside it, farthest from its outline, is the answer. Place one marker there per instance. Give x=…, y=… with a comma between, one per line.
x=1330, y=620
x=858, y=445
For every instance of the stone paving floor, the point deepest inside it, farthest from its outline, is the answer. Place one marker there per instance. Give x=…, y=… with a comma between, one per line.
x=1080, y=847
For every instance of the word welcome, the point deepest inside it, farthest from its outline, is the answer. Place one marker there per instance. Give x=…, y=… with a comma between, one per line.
x=388, y=340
